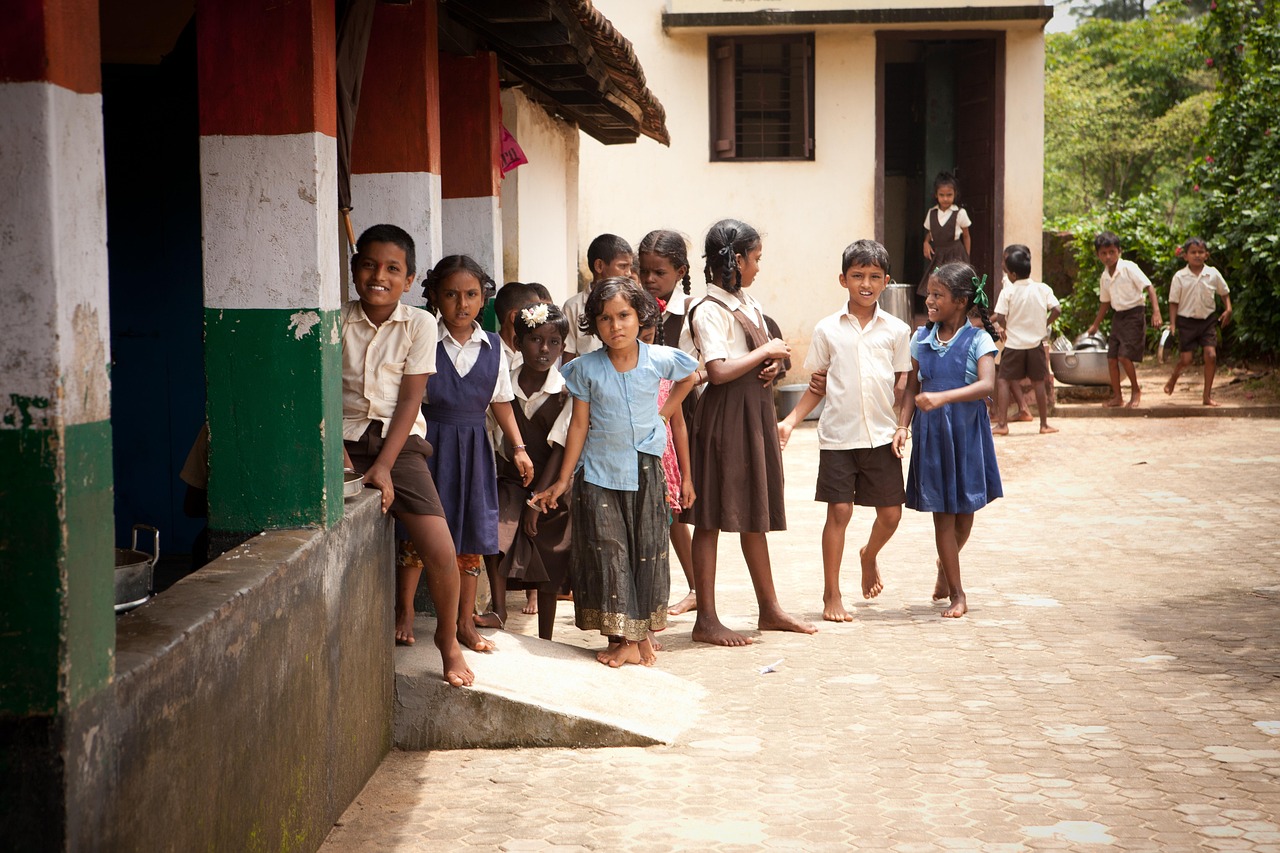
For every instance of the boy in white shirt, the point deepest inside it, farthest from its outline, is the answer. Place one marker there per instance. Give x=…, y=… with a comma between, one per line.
x=608, y=256
x=1192, y=300
x=1024, y=311
x=1121, y=286
x=865, y=353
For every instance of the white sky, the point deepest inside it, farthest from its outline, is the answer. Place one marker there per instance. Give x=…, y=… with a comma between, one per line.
x=1063, y=21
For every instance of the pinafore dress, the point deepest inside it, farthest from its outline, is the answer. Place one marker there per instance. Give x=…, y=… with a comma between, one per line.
x=462, y=465
x=947, y=246
x=526, y=559
x=953, y=456
x=736, y=458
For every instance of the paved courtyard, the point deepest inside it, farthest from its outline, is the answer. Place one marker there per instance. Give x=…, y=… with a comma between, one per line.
x=1116, y=683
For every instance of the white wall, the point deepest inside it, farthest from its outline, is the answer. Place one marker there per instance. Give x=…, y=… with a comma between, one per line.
x=682, y=6
x=1024, y=142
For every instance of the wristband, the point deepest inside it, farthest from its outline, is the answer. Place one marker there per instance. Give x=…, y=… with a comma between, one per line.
x=904, y=429
x=517, y=447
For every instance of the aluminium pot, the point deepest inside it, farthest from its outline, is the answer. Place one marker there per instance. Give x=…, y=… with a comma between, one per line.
x=135, y=570
x=1080, y=367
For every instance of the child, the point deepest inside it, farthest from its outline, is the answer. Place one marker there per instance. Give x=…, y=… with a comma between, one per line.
x=608, y=256
x=675, y=458
x=953, y=469
x=946, y=228
x=664, y=263
x=1121, y=286
x=864, y=351
x=513, y=297
x=1191, y=303
x=388, y=351
x=535, y=550
x=1025, y=309
x=619, y=514
x=472, y=379
x=737, y=460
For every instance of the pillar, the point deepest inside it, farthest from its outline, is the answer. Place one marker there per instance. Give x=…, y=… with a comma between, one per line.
x=395, y=155
x=470, y=118
x=57, y=626
x=268, y=163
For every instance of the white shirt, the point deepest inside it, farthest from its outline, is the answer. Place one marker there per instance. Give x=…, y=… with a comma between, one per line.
x=529, y=405
x=578, y=342
x=861, y=363
x=962, y=218
x=714, y=332
x=514, y=357
x=1195, y=294
x=463, y=356
x=376, y=358
x=1126, y=288
x=1025, y=305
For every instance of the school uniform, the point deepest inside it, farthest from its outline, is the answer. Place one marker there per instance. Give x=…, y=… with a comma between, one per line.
x=1126, y=290
x=944, y=227
x=578, y=342
x=1025, y=304
x=1196, y=298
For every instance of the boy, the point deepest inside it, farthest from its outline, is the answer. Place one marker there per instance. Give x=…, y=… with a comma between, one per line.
x=1121, y=286
x=1025, y=310
x=865, y=353
x=1191, y=303
x=608, y=256
x=384, y=432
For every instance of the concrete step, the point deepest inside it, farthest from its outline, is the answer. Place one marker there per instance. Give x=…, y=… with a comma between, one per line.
x=534, y=693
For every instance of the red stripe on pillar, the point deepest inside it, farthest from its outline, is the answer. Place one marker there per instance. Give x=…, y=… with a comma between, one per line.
x=469, y=126
x=267, y=69
x=52, y=40
x=398, y=122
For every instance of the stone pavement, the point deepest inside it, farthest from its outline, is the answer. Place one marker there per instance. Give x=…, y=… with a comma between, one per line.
x=1116, y=683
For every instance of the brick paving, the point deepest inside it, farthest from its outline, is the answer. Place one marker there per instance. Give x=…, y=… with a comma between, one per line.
x=1116, y=683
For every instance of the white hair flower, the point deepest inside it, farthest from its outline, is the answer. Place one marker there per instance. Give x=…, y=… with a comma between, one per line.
x=535, y=315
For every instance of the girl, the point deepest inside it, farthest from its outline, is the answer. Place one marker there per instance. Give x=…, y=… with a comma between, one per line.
x=946, y=227
x=737, y=461
x=664, y=263
x=535, y=550
x=619, y=515
x=675, y=459
x=472, y=377
x=953, y=469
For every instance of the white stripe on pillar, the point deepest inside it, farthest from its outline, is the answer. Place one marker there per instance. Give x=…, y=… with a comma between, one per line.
x=473, y=226
x=410, y=200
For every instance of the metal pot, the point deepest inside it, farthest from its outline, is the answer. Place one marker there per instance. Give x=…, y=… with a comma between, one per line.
x=898, y=299
x=135, y=570
x=1080, y=367
x=352, y=483
x=1096, y=341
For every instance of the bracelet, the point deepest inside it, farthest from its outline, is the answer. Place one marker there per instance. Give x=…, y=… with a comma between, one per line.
x=516, y=447
x=904, y=429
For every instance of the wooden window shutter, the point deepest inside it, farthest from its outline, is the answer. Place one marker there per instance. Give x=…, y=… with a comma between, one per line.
x=724, y=146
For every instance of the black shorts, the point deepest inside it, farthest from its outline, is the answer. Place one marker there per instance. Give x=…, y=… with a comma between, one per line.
x=415, y=490
x=1128, y=334
x=868, y=476
x=1193, y=332
x=1019, y=364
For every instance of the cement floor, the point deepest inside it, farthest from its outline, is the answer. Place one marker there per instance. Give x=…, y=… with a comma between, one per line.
x=1115, y=685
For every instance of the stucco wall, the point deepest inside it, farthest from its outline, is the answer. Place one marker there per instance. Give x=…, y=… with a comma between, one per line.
x=1024, y=142
x=832, y=5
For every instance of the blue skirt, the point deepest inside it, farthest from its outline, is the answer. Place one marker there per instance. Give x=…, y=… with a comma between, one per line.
x=953, y=460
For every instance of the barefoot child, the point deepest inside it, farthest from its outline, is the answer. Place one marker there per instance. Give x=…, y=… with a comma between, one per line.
x=864, y=352
x=608, y=255
x=535, y=547
x=1121, y=286
x=946, y=227
x=1192, y=302
x=383, y=431
x=737, y=460
x=615, y=445
x=472, y=379
x=675, y=458
x=1025, y=310
x=953, y=470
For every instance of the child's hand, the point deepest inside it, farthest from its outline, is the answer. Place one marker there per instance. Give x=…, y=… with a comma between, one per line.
x=529, y=521
x=687, y=496
x=346, y=459
x=1156, y=320
x=1225, y=318
x=546, y=499
x=818, y=383
x=776, y=348
x=379, y=477
x=784, y=432
x=928, y=250
x=927, y=401
x=524, y=465
x=900, y=437
x=769, y=372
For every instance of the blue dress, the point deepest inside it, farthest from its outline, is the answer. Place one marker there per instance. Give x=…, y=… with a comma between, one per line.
x=462, y=464
x=953, y=456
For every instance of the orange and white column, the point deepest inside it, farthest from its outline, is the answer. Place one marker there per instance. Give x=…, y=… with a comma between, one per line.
x=471, y=136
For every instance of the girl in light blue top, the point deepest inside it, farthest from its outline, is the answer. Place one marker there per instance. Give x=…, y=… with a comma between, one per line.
x=613, y=452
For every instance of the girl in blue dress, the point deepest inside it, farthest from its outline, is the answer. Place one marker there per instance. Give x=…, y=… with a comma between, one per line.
x=613, y=454
x=953, y=469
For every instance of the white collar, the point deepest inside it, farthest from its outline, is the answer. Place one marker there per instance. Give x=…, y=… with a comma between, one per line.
x=477, y=335
x=553, y=384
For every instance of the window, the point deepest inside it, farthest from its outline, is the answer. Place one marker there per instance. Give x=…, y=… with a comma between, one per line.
x=762, y=97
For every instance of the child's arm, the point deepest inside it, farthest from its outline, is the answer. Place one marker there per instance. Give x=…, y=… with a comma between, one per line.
x=680, y=440
x=548, y=476
x=1054, y=313
x=808, y=402
x=678, y=392
x=408, y=402
x=910, y=390
x=1173, y=313
x=573, y=444
x=1103, y=307
x=982, y=387
x=928, y=244
x=724, y=370
x=1156, y=320
x=511, y=430
x=964, y=238
x=1223, y=318
x=998, y=321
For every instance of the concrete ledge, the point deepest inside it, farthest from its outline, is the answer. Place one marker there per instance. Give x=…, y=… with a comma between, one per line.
x=1096, y=410
x=533, y=692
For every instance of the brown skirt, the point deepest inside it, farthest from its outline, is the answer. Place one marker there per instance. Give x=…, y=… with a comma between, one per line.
x=526, y=559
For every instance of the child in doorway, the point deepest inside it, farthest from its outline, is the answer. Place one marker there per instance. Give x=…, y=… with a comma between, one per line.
x=953, y=469
x=472, y=378
x=864, y=351
x=388, y=351
x=608, y=255
x=535, y=548
x=1121, y=287
x=1025, y=309
x=737, y=459
x=1192, y=300
x=615, y=445
x=946, y=227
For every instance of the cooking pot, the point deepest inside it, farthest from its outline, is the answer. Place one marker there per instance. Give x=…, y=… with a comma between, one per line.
x=1081, y=367
x=1095, y=341
x=135, y=569
x=352, y=483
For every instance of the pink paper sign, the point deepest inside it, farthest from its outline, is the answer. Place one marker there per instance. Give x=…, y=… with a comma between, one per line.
x=512, y=154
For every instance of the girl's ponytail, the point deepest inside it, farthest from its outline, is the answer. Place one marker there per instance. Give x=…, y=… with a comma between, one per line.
x=727, y=239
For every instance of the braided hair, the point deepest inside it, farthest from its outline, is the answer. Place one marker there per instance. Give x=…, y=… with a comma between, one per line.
x=669, y=245
x=962, y=280
x=727, y=239
x=448, y=266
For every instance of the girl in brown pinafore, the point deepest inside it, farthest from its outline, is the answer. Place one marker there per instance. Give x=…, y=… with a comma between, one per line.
x=946, y=226
x=737, y=460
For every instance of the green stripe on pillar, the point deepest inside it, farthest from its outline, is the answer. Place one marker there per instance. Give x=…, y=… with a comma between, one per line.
x=275, y=417
x=91, y=618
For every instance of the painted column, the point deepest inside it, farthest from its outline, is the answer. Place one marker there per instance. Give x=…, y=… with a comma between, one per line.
x=470, y=158
x=57, y=626
x=268, y=163
x=395, y=156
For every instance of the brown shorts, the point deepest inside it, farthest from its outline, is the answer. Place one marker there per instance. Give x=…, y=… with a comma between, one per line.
x=1019, y=364
x=1193, y=332
x=868, y=476
x=415, y=490
x=1128, y=334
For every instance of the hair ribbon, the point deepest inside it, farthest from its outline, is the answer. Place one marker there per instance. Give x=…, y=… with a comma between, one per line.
x=979, y=294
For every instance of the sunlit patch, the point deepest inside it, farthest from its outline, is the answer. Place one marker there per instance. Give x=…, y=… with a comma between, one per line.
x=1081, y=831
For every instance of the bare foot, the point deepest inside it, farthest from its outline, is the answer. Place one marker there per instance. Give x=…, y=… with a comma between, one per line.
x=941, y=589
x=1135, y=398
x=469, y=637
x=1045, y=429
x=996, y=429
x=618, y=654
x=1114, y=403
x=1023, y=417
x=685, y=605
x=653, y=641
x=1168, y=386
x=780, y=620
x=530, y=603
x=1209, y=401
x=871, y=585
x=833, y=610
x=456, y=671
x=487, y=620
x=564, y=596
x=404, y=627
x=648, y=649
x=957, y=609
x=717, y=634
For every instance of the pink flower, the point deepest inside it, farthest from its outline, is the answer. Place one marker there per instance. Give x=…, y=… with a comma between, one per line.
x=1208, y=61
x=1208, y=158
x=1266, y=132
x=1196, y=188
x=1178, y=251
x=1213, y=7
